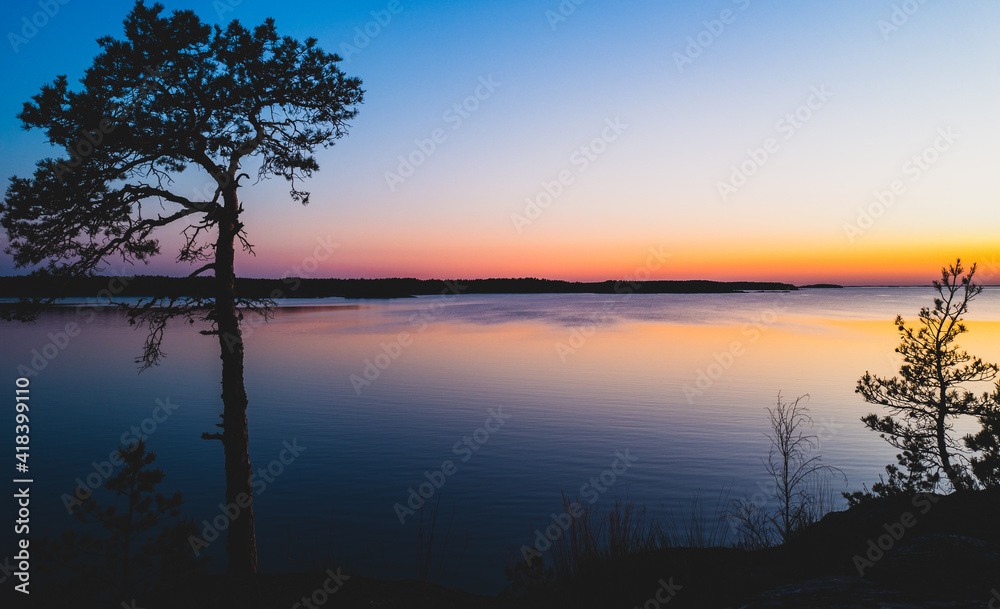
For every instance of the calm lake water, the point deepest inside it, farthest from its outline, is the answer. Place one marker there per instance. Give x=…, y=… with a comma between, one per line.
x=680, y=382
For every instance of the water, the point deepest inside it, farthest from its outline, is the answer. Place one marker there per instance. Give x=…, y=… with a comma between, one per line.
x=680, y=382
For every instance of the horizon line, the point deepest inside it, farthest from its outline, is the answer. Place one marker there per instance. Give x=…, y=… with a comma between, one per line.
x=522, y=278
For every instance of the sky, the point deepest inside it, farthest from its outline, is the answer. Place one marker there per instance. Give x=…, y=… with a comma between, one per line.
x=852, y=142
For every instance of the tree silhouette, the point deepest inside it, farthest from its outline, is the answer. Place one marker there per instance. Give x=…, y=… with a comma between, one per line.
x=986, y=442
x=175, y=95
x=798, y=476
x=792, y=465
x=140, y=548
x=928, y=394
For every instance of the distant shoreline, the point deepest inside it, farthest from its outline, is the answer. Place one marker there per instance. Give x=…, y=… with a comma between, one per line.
x=159, y=286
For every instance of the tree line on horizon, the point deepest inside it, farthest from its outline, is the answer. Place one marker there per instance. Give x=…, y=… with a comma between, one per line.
x=158, y=286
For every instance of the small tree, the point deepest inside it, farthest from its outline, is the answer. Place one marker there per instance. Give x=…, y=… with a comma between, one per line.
x=792, y=466
x=140, y=546
x=795, y=471
x=928, y=394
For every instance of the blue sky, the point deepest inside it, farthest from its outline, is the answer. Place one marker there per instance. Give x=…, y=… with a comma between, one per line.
x=892, y=88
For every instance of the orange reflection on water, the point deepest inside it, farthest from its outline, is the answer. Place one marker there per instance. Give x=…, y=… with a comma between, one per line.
x=648, y=367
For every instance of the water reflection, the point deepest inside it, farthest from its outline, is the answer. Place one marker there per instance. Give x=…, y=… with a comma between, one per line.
x=631, y=375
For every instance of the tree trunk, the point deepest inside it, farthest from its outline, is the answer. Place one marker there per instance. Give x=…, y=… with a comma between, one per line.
x=953, y=477
x=241, y=541
x=939, y=422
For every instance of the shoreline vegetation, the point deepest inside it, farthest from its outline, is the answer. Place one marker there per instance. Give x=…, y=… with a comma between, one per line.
x=43, y=286
x=910, y=551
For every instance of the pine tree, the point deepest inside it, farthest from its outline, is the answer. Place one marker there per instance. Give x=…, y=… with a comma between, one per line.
x=143, y=542
x=986, y=464
x=176, y=95
x=929, y=394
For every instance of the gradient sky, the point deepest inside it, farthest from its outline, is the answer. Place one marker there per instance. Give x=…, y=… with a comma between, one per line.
x=891, y=90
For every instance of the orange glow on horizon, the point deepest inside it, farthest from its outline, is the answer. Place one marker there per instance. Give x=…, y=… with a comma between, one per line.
x=799, y=261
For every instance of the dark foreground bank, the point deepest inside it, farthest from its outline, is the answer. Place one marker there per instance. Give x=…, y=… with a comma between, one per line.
x=905, y=552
